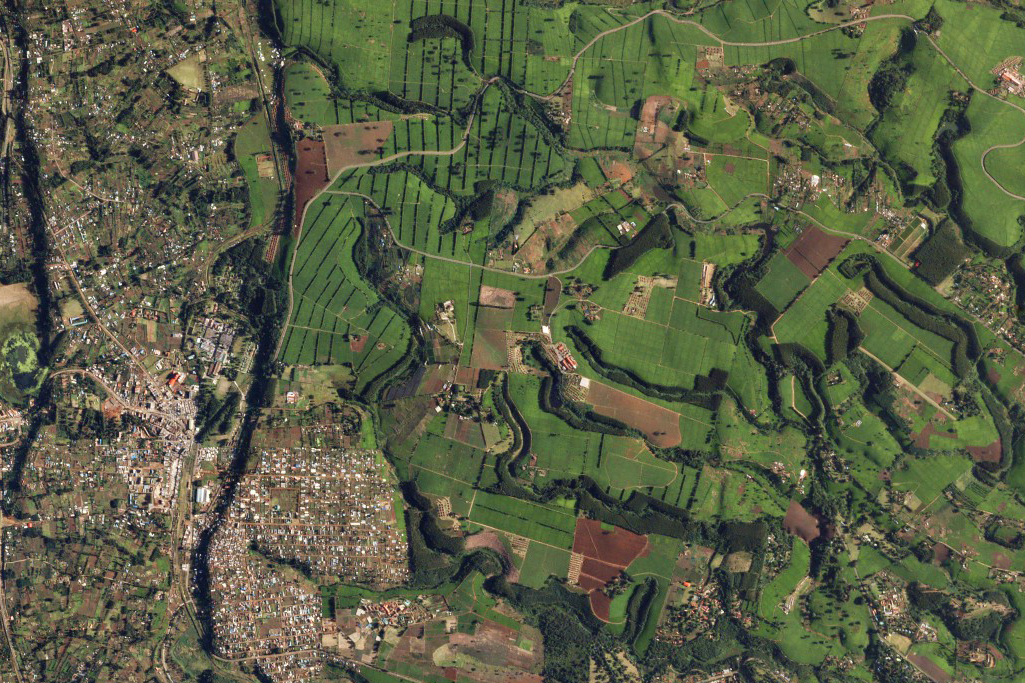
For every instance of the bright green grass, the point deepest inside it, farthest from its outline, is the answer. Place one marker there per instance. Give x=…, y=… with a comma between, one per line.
x=994, y=215
x=782, y=282
x=724, y=250
x=541, y=562
x=733, y=178
x=907, y=128
x=805, y=320
x=544, y=523
x=253, y=139
x=332, y=302
x=927, y=477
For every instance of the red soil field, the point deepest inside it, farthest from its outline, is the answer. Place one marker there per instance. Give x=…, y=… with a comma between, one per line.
x=606, y=554
x=310, y=174
x=930, y=668
x=660, y=425
x=357, y=342
x=652, y=134
x=553, y=290
x=990, y=453
x=466, y=376
x=801, y=523
x=496, y=297
x=813, y=250
x=617, y=547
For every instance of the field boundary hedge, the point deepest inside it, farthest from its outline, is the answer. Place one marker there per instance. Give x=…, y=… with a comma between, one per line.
x=593, y=355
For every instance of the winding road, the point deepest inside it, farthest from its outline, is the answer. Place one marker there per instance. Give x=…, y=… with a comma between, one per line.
x=796, y=39
x=368, y=164
x=576, y=58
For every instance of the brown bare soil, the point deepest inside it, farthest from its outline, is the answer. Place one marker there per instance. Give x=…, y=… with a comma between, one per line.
x=618, y=170
x=813, y=250
x=357, y=342
x=801, y=523
x=606, y=554
x=496, y=297
x=617, y=547
x=990, y=453
x=466, y=376
x=310, y=173
x=17, y=302
x=434, y=379
x=930, y=668
x=546, y=240
x=489, y=349
x=940, y=553
x=464, y=431
x=553, y=290
x=922, y=438
x=354, y=143
x=652, y=134
x=490, y=540
x=659, y=425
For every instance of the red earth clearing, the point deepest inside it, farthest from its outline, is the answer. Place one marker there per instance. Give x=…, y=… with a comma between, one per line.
x=310, y=173
x=660, y=426
x=607, y=552
x=813, y=250
x=801, y=523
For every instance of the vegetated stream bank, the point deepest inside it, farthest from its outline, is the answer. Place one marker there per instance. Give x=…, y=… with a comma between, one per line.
x=269, y=324
x=40, y=245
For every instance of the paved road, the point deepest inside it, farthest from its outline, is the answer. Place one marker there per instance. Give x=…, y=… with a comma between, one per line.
x=110, y=392
x=576, y=58
x=368, y=164
x=725, y=43
x=787, y=41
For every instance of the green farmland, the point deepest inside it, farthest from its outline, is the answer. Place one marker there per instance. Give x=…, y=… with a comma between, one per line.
x=689, y=333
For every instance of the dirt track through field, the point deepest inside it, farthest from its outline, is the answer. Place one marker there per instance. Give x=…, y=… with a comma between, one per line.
x=798, y=39
x=671, y=17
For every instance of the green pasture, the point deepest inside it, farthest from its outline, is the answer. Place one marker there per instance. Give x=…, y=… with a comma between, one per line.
x=741, y=441
x=724, y=250
x=994, y=215
x=804, y=322
x=618, y=464
x=906, y=130
x=724, y=493
x=784, y=583
x=309, y=95
x=782, y=282
x=927, y=477
x=542, y=561
x=891, y=338
x=734, y=177
x=968, y=27
x=253, y=139
x=546, y=524
x=749, y=380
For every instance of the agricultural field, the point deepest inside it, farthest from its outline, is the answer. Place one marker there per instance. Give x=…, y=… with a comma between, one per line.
x=336, y=317
x=256, y=157
x=631, y=304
